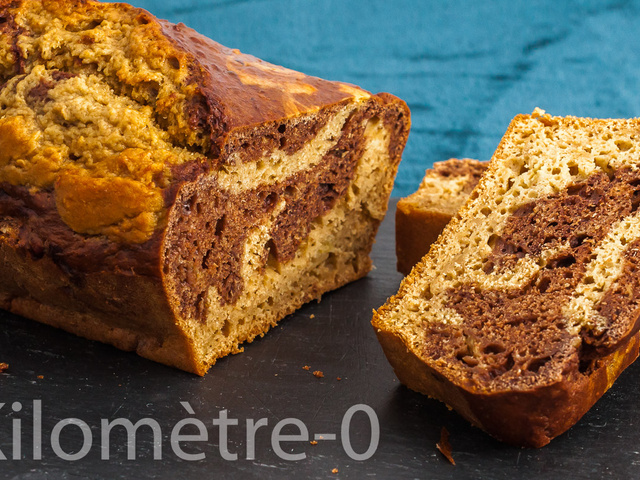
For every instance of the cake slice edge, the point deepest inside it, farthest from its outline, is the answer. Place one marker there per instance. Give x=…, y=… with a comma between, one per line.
x=520, y=416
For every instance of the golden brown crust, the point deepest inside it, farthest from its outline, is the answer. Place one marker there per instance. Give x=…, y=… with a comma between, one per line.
x=127, y=311
x=531, y=418
x=224, y=90
x=141, y=118
x=203, y=96
x=219, y=103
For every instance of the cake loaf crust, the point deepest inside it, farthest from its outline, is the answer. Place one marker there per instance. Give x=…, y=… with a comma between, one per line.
x=216, y=91
x=171, y=196
x=523, y=314
x=527, y=418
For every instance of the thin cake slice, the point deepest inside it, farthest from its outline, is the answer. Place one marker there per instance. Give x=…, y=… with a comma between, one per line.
x=421, y=216
x=169, y=195
x=525, y=310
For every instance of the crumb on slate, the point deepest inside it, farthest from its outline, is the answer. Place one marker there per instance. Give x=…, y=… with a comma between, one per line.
x=318, y=374
x=335, y=470
x=338, y=378
x=444, y=446
x=4, y=367
x=312, y=316
x=40, y=377
x=313, y=442
x=306, y=367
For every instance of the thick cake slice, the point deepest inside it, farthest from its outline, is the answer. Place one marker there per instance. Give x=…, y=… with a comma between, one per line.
x=171, y=196
x=525, y=310
x=421, y=216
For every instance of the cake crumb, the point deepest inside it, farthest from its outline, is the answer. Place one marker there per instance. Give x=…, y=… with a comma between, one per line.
x=306, y=367
x=318, y=374
x=312, y=316
x=313, y=442
x=335, y=470
x=40, y=377
x=338, y=378
x=4, y=367
x=444, y=446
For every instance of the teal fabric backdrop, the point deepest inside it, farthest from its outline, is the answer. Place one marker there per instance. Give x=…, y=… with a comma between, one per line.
x=464, y=67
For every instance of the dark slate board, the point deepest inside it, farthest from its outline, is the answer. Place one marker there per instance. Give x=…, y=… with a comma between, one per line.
x=91, y=381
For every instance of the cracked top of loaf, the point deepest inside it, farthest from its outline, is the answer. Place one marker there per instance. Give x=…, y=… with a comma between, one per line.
x=107, y=107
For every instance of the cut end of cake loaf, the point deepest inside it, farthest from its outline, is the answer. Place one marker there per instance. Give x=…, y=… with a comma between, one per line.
x=421, y=216
x=282, y=230
x=523, y=313
x=172, y=196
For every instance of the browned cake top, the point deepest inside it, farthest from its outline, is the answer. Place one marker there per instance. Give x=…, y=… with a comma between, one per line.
x=235, y=90
x=106, y=108
x=203, y=89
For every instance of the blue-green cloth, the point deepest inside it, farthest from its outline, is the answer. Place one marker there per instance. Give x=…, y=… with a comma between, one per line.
x=464, y=67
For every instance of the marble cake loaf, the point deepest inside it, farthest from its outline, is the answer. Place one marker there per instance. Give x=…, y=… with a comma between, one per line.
x=421, y=216
x=171, y=196
x=525, y=310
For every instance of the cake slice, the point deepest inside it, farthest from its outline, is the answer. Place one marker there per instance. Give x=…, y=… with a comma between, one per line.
x=171, y=196
x=525, y=310
x=421, y=216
